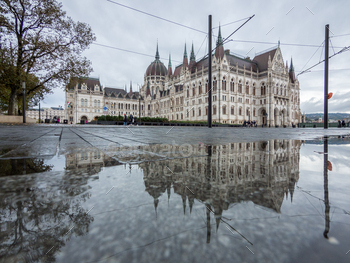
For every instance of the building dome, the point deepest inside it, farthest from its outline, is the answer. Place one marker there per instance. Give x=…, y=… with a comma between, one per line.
x=156, y=67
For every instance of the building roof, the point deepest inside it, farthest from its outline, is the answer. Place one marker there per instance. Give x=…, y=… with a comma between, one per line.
x=262, y=59
x=90, y=83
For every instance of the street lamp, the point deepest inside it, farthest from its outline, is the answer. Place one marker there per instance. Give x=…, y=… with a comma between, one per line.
x=139, y=109
x=24, y=101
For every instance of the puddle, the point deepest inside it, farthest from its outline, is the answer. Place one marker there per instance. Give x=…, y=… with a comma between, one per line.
x=275, y=201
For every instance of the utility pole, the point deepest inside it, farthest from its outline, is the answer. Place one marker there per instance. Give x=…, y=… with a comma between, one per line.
x=39, y=114
x=24, y=101
x=326, y=61
x=209, y=77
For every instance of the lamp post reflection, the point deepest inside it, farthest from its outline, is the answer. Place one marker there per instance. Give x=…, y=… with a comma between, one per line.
x=326, y=197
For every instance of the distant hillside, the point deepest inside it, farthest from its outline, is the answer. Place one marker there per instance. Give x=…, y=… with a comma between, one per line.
x=331, y=116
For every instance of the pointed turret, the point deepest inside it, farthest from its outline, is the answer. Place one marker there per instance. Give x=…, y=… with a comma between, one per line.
x=185, y=60
x=192, y=60
x=219, y=51
x=170, y=70
x=291, y=72
x=184, y=203
x=130, y=88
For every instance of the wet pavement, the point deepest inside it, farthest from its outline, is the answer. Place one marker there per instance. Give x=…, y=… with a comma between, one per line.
x=173, y=194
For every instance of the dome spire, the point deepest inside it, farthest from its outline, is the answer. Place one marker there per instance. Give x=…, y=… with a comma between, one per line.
x=169, y=66
x=185, y=60
x=185, y=54
x=157, y=53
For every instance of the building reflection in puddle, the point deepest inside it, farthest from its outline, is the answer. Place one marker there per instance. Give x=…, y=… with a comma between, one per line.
x=261, y=172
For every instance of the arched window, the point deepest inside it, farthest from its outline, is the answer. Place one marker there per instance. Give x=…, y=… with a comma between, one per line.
x=82, y=102
x=98, y=104
x=247, y=88
x=254, y=91
x=232, y=110
x=247, y=112
x=188, y=93
x=200, y=89
x=240, y=111
x=206, y=110
x=182, y=116
x=193, y=112
x=214, y=110
x=95, y=103
x=214, y=84
x=224, y=109
x=206, y=87
x=223, y=83
x=254, y=112
x=199, y=111
x=240, y=87
x=193, y=90
x=232, y=86
x=86, y=102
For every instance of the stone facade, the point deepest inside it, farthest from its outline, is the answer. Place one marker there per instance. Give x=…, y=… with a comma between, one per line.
x=86, y=98
x=263, y=89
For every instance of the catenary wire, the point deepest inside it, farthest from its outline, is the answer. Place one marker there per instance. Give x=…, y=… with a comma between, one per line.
x=161, y=18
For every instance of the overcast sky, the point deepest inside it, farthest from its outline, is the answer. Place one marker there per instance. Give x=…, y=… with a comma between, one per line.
x=291, y=22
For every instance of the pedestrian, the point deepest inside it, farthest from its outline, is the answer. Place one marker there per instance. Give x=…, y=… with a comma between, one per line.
x=125, y=119
x=343, y=123
x=339, y=124
x=244, y=123
x=131, y=118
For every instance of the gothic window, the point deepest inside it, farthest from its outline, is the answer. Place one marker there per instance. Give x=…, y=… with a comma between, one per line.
x=98, y=103
x=82, y=102
x=182, y=116
x=206, y=110
x=247, y=88
x=254, y=91
x=194, y=91
x=214, y=85
x=247, y=112
x=232, y=86
x=214, y=110
x=224, y=84
x=192, y=112
x=224, y=109
x=86, y=102
x=254, y=112
x=206, y=87
x=188, y=93
x=95, y=103
x=199, y=111
x=240, y=111
x=199, y=89
x=240, y=87
x=232, y=110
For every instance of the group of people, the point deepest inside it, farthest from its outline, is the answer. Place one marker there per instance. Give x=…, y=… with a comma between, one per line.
x=129, y=121
x=341, y=123
x=249, y=124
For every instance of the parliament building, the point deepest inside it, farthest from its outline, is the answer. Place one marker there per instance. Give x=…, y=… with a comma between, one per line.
x=263, y=89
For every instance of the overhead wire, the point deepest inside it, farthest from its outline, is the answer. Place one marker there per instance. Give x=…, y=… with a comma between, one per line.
x=158, y=17
x=312, y=56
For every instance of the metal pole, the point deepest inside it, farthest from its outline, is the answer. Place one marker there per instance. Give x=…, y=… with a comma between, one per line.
x=326, y=78
x=24, y=101
x=209, y=76
x=139, y=109
x=325, y=185
x=39, y=114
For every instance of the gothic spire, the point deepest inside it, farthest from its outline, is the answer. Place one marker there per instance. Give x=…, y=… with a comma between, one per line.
x=219, y=42
x=219, y=50
x=170, y=71
x=291, y=69
x=185, y=60
x=193, y=58
x=157, y=53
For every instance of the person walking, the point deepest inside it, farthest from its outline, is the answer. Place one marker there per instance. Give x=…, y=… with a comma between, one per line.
x=131, y=118
x=125, y=119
